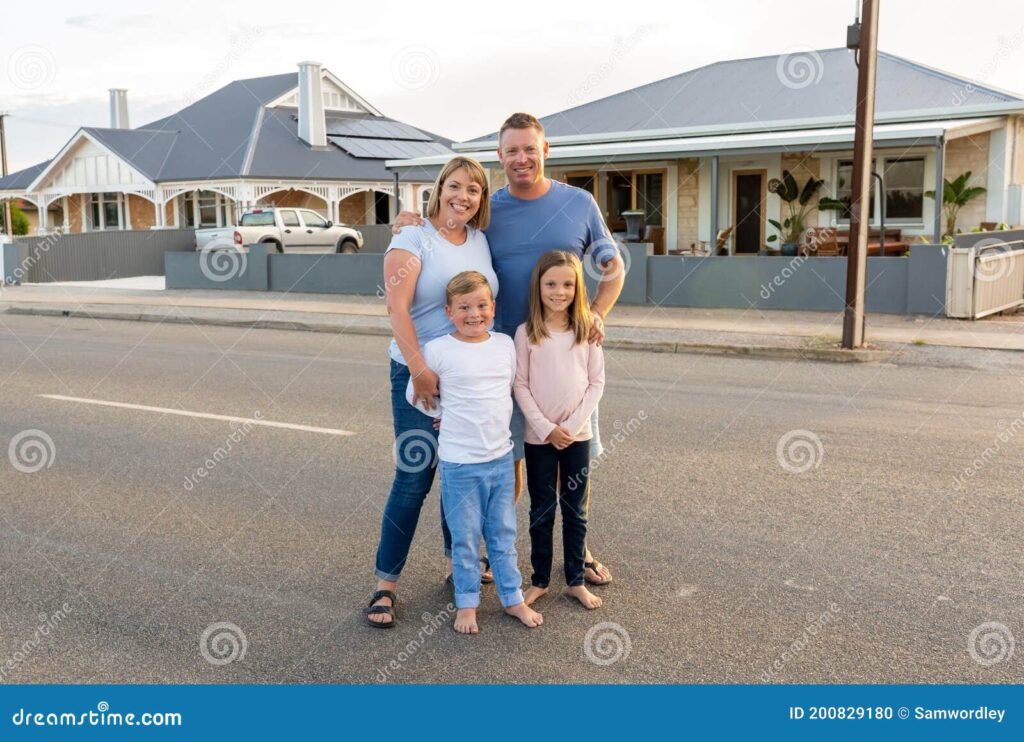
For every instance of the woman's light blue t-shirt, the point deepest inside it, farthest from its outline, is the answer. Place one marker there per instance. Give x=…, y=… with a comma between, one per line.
x=440, y=262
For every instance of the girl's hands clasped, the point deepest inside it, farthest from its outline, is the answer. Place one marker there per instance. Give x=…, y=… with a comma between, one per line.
x=560, y=437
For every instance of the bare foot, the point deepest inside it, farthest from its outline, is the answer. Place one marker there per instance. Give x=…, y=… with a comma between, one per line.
x=533, y=593
x=465, y=621
x=587, y=598
x=527, y=615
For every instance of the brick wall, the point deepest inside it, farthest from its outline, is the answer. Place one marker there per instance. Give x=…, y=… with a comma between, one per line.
x=687, y=203
x=142, y=212
x=352, y=210
x=969, y=153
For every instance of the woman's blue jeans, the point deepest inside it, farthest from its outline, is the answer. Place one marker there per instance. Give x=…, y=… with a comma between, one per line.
x=415, y=464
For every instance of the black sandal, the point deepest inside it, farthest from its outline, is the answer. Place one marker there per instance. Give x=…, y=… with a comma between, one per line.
x=484, y=579
x=596, y=566
x=389, y=610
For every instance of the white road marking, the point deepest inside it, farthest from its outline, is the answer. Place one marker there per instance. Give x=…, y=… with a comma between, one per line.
x=207, y=415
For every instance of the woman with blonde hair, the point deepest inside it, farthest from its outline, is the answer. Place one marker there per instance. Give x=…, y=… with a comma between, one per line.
x=418, y=264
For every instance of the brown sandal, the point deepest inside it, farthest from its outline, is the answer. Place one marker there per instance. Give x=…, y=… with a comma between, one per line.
x=596, y=566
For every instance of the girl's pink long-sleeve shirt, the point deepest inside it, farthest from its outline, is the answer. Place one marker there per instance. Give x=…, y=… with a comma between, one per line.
x=558, y=382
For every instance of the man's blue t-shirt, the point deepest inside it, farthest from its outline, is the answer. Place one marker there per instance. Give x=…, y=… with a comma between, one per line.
x=564, y=218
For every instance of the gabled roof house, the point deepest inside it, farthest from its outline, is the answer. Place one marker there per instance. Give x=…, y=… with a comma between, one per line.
x=696, y=151
x=299, y=139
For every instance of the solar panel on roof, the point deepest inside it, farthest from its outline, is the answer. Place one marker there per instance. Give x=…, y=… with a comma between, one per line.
x=388, y=149
x=374, y=128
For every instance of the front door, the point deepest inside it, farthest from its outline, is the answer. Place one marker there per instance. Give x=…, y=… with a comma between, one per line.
x=748, y=211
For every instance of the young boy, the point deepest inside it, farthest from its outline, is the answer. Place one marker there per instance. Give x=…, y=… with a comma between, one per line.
x=476, y=369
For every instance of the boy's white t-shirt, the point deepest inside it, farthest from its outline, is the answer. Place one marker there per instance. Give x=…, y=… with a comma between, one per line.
x=475, y=381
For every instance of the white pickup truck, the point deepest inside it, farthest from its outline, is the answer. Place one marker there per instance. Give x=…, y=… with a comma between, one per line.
x=285, y=230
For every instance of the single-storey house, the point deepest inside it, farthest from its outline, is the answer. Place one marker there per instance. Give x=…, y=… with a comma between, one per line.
x=695, y=152
x=299, y=139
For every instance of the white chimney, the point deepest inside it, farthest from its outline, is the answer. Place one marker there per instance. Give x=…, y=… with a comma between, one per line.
x=312, y=126
x=119, y=108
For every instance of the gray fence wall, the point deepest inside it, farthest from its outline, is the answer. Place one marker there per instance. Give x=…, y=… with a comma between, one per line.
x=94, y=256
x=915, y=284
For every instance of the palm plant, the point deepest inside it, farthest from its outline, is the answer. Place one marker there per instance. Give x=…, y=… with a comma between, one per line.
x=798, y=203
x=955, y=195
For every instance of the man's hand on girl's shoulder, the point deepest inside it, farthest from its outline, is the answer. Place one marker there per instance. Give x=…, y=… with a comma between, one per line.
x=405, y=219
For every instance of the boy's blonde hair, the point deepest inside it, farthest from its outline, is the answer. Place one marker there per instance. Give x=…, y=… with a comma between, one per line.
x=579, y=310
x=466, y=283
x=482, y=218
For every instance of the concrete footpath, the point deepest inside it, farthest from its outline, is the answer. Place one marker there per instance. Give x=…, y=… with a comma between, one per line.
x=754, y=332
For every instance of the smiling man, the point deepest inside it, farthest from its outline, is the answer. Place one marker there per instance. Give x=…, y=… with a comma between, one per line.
x=530, y=216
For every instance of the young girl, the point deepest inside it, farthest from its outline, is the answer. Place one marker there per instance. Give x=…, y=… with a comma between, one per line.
x=559, y=381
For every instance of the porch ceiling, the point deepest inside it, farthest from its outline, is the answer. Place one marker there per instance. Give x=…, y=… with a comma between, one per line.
x=836, y=138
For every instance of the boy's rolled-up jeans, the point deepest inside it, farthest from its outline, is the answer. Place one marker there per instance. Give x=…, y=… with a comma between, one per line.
x=478, y=501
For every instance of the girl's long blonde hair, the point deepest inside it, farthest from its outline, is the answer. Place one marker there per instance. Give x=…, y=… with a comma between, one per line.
x=579, y=310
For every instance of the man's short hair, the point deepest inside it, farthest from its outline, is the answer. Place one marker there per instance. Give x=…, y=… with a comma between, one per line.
x=521, y=121
x=466, y=283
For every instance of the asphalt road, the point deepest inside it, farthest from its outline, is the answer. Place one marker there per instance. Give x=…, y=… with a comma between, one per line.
x=875, y=565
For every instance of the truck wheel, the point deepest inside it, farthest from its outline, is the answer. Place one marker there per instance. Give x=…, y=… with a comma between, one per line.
x=348, y=247
x=276, y=244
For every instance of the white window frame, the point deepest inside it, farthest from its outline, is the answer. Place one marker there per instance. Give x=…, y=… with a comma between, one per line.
x=876, y=210
x=100, y=212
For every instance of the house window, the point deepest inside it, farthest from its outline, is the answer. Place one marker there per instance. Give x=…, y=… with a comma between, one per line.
x=904, y=188
x=844, y=189
x=208, y=203
x=636, y=190
x=424, y=200
x=585, y=181
x=105, y=211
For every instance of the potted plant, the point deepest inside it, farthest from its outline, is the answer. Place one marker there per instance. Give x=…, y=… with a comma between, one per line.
x=798, y=203
x=955, y=195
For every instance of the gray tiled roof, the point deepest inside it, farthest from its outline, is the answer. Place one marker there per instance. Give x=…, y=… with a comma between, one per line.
x=213, y=138
x=751, y=90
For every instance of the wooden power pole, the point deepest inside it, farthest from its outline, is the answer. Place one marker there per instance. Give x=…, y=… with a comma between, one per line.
x=8, y=227
x=860, y=196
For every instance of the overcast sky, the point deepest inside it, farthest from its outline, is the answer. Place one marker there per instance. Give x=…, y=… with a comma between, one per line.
x=455, y=69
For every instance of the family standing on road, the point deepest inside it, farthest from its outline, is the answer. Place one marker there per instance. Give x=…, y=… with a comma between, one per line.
x=496, y=358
